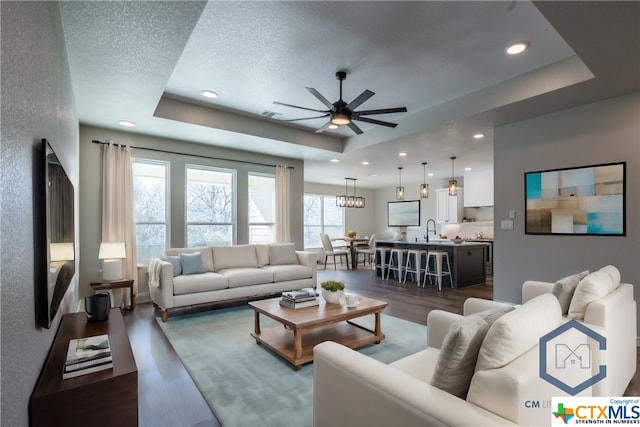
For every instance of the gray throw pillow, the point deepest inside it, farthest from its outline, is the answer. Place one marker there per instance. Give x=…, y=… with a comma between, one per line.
x=282, y=254
x=457, y=358
x=564, y=288
x=176, y=263
x=191, y=263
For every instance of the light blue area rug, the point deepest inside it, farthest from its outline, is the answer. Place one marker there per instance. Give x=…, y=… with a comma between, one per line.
x=247, y=385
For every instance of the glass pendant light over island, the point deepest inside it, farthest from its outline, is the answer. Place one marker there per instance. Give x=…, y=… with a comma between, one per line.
x=453, y=184
x=400, y=188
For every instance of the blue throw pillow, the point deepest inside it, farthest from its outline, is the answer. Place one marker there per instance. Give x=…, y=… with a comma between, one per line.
x=191, y=263
x=175, y=262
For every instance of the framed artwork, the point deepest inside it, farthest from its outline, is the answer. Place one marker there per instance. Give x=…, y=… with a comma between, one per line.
x=586, y=200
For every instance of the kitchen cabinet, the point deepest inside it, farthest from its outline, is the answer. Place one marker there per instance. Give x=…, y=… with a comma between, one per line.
x=448, y=208
x=478, y=186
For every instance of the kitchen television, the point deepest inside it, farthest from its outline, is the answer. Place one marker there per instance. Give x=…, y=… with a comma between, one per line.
x=403, y=213
x=55, y=248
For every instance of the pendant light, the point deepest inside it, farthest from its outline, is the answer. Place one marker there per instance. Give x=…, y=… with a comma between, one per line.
x=453, y=184
x=424, y=187
x=348, y=201
x=400, y=188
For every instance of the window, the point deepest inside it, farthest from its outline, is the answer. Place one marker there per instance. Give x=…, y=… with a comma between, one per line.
x=262, y=208
x=321, y=215
x=150, y=196
x=210, y=206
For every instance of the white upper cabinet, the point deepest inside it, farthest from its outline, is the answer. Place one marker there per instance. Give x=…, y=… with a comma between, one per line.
x=449, y=208
x=478, y=186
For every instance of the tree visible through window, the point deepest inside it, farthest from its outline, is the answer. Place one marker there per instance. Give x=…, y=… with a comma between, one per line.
x=210, y=209
x=150, y=196
x=321, y=215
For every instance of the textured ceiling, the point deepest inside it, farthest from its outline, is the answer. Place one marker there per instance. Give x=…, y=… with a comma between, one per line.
x=149, y=61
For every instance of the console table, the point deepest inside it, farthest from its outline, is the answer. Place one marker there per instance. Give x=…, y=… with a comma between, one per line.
x=116, y=284
x=106, y=398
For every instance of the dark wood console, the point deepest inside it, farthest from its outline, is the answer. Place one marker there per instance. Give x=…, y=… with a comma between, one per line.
x=106, y=398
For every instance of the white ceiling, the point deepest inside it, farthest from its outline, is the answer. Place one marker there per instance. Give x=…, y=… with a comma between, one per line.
x=149, y=61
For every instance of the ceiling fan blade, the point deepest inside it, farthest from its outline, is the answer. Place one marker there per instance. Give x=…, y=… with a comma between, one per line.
x=375, y=122
x=307, y=118
x=354, y=127
x=324, y=127
x=360, y=99
x=302, y=108
x=320, y=97
x=381, y=111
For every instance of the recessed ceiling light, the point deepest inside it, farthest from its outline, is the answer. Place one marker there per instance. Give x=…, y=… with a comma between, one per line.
x=334, y=160
x=127, y=123
x=467, y=169
x=517, y=48
x=365, y=163
x=402, y=154
x=478, y=135
x=209, y=94
x=373, y=174
x=332, y=126
x=430, y=174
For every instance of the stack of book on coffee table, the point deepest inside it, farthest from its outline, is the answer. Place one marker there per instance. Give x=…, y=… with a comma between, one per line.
x=299, y=298
x=87, y=355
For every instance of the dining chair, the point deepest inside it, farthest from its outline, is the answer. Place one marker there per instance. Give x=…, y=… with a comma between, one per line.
x=368, y=251
x=329, y=250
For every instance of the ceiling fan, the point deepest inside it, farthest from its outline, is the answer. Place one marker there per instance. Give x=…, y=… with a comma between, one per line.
x=340, y=113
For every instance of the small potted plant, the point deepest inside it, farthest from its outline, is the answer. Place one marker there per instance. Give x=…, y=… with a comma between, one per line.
x=352, y=233
x=331, y=291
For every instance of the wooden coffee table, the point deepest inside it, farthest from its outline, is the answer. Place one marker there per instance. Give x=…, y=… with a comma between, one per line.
x=304, y=328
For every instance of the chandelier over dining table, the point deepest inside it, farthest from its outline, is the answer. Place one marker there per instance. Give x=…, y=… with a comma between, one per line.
x=350, y=201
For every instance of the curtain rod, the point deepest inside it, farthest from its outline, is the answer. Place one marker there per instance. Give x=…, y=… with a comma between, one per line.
x=157, y=150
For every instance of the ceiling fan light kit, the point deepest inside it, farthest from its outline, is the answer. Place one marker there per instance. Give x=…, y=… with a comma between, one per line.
x=342, y=114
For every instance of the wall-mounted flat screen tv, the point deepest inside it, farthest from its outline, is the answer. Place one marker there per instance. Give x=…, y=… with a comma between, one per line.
x=403, y=213
x=55, y=247
x=585, y=200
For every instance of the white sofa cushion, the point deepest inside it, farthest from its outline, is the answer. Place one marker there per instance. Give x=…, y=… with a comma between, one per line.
x=283, y=273
x=205, y=251
x=262, y=252
x=594, y=286
x=239, y=256
x=237, y=277
x=564, y=288
x=459, y=352
x=195, y=283
x=518, y=331
x=282, y=254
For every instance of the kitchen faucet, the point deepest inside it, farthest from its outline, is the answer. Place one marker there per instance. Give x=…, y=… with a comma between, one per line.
x=434, y=228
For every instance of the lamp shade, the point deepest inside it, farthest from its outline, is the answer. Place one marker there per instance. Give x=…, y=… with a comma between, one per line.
x=112, y=251
x=61, y=252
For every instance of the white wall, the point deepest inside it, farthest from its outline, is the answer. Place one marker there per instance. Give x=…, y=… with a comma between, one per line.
x=90, y=187
x=37, y=102
x=602, y=132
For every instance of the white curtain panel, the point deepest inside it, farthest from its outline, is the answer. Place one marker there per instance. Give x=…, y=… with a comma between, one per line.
x=283, y=195
x=118, y=223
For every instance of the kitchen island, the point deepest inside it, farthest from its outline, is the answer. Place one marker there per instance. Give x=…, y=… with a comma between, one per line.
x=467, y=259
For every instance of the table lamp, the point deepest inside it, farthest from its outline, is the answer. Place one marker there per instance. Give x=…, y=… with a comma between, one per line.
x=61, y=252
x=111, y=255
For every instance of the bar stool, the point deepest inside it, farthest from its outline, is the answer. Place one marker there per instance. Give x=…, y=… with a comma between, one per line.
x=414, y=264
x=380, y=259
x=396, y=266
x=438, y=260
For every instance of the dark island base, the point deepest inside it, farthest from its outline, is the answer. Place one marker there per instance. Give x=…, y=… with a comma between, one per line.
x=467, y=259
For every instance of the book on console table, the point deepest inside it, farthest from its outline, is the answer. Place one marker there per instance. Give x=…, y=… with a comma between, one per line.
x=296, y=305
x=87, y=355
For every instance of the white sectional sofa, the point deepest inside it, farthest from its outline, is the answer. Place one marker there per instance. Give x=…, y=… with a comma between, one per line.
x=481, y=371
x=194, y=276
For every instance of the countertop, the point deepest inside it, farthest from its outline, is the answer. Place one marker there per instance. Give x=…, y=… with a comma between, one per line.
x=439, y=242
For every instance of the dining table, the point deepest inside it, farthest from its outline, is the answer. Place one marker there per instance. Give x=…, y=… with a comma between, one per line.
x=351, y=243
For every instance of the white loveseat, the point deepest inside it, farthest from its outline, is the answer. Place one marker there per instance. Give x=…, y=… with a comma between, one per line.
x=505, y=388
x=193, y=276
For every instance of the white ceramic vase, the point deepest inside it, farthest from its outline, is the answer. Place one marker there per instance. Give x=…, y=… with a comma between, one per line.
x=331, y=297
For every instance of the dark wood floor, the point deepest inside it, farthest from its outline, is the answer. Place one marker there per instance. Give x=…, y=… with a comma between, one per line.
x=168, y=397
